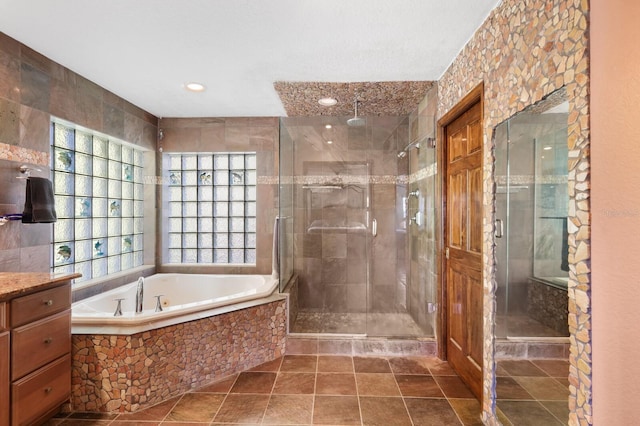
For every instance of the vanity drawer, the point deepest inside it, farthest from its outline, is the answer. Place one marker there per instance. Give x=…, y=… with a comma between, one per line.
x=4, y=317
x=41, y=391
x=39, y=305
x=35, y=344
x=4, y=378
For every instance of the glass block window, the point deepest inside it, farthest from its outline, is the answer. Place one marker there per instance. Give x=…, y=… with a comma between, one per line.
x=99, y=202
x=211, y=207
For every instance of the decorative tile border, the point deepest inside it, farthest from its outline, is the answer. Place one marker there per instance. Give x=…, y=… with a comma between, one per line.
x=24, y=155
x=423, y=173
x=429, y=171
x=342, y=180
x=524, y=51
x=531, y=179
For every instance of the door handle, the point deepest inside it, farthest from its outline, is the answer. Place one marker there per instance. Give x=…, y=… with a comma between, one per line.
x=374, y=227
x=499, y=228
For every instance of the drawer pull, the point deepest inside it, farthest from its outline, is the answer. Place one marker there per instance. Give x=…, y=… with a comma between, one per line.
x=48, y=302
x=48, y=340
x=48, y=389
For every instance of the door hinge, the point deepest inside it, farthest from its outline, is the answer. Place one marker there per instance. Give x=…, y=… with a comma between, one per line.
x=446, y=253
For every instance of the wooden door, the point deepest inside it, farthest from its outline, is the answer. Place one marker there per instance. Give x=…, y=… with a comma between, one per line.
x=463, y=246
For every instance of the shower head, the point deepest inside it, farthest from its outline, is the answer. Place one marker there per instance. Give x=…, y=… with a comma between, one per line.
x=402, y=154
x=356, y=121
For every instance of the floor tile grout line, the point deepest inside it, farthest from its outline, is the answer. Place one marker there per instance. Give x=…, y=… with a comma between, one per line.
x=315, y=388
x=446, y=397
x=225, y=398
x=404, y=402
x=273, y=385
x=355, y=378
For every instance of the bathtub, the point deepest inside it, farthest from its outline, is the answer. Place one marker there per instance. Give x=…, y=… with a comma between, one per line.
x=183, y=297
x=210, y=327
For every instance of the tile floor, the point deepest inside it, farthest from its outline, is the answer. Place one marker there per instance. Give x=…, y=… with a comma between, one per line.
x=345, y=390
x=533, y=393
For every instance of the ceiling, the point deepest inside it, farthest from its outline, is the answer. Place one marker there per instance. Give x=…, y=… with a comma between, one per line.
x=256, y=58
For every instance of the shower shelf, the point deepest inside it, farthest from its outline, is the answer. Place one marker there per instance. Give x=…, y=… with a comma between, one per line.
x=322, y=188
x=324, y=225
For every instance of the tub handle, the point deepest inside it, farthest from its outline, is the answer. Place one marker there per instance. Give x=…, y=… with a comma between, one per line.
x=374, y=227
x=499, y=228
x=118, y=312
x=158, y=303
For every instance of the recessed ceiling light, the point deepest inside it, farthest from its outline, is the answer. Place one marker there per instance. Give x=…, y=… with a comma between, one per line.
x=327, y=101
x=327, y=126
x=548, y=148
x=329, y=142
x=194, y=87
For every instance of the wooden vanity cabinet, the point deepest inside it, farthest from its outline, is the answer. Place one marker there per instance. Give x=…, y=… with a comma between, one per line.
x=40, y=338
x=4, y=365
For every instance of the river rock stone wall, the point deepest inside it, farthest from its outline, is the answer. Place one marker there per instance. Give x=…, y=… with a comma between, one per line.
x=126, y=373
x=524, y=51
x=548, y=305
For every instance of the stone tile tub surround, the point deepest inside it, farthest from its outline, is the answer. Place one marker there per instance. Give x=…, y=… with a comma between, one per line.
x=524, y=51
x=118, y=373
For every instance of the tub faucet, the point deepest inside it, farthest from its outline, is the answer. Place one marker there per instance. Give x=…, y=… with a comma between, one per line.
x=118, y=312
x=139, y=294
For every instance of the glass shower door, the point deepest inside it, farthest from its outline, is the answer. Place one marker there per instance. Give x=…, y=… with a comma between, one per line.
x=531, y=224
x=335, y=239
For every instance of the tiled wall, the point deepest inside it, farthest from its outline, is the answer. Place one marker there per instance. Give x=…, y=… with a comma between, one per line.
x=32, y=90
x=258, y=135
x=524, y=51
x=127, y=373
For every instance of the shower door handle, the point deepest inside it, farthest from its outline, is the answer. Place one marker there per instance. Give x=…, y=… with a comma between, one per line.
x=499, y=229
x=374, y=227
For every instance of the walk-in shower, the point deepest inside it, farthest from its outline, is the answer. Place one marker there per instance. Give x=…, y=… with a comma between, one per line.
x=350, y=236
x=532, y=205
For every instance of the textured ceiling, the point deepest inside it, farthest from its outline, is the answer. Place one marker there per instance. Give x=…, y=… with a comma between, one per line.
x=146, y=50
x=374, y=98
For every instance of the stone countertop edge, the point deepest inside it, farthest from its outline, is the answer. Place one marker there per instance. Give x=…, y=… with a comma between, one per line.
x=13, y=284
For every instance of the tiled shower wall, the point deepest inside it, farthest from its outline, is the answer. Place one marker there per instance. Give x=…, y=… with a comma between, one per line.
x=236, y=134
x=33, y=88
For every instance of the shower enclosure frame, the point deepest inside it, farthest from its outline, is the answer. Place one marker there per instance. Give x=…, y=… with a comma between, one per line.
x=377, y=151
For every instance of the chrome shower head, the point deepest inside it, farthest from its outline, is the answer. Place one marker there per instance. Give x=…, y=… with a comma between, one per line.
x=402, y=154
x=356, y=121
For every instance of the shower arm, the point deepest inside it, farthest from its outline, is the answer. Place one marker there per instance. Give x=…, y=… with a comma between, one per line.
x=430, y=143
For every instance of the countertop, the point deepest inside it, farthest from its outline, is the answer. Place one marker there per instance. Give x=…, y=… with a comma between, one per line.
x=14, y=284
